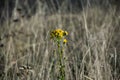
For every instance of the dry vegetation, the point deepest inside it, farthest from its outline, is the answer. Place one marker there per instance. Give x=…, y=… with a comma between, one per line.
x=92, y=51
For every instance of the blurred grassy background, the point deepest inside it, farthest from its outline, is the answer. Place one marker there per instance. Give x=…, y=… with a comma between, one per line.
x=92, y=51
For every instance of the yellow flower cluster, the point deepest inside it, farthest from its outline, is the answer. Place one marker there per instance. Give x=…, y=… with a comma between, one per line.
x=59, y=34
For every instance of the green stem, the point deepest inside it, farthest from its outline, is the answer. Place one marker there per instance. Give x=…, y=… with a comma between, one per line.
x=61, y=65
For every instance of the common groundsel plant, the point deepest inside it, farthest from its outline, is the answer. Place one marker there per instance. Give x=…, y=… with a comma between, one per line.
x=58, y=37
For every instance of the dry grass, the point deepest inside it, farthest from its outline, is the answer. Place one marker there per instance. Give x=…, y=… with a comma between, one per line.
x=92, y=51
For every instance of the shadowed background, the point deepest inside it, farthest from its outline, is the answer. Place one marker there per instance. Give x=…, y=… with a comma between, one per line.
x=93, y=48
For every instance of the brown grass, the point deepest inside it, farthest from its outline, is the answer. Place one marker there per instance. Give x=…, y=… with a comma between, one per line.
x=92, y=51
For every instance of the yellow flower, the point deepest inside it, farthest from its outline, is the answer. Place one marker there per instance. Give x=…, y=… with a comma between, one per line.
x=58, y=33
x=65, y=41
x=65, y=33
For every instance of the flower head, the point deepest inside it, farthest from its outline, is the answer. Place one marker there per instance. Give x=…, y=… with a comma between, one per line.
x=58, y=33
x=65, y=33
x=65, y=41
